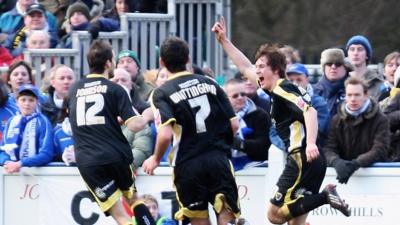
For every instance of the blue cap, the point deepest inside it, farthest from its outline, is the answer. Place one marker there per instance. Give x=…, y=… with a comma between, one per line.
x=297, y=68
x=360, y=40
x=28, y=87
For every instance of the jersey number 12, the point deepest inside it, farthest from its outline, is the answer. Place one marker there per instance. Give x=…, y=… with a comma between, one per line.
x=88, y=116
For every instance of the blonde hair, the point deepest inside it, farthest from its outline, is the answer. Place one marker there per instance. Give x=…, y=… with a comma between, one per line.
x=150, y=76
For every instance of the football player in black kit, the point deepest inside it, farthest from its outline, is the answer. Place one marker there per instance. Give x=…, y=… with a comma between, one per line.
x=195, y=112
x=103, y=155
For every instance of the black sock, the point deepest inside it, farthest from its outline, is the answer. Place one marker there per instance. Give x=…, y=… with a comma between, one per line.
x=306, y=204
x=142, y=215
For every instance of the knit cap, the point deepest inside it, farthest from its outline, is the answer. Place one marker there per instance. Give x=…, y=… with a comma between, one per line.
x=360, y=40
x=78, y=7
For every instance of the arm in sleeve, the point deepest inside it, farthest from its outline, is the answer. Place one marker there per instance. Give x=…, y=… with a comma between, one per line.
x=332, y=144
x=256, y=145
x=142, y=146
x=45, y=152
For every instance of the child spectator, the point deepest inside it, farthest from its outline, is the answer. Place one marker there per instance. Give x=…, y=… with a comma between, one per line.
x=152, y=204
x=78, y=19
x=63, y=142
x=28, y=137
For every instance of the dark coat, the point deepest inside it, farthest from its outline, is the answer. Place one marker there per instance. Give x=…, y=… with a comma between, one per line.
x=257, y=143
x=392, y=111
x=365, y=138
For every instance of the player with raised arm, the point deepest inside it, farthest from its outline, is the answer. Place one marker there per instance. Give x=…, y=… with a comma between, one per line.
x=296, y=123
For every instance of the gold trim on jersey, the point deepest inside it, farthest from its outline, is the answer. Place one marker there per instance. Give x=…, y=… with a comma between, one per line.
x=177, y=130
x=179, y=74
x=95, y=75
x=297, y=100
x=297, y=135
x=166, y=122
x=233, y=118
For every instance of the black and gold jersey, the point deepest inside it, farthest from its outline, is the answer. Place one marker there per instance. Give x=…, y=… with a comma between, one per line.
x=199, y=112
x=94, y=106
x=289, y=102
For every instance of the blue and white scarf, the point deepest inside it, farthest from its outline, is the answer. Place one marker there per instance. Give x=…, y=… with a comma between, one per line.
x=362, y=109
x=21, y=133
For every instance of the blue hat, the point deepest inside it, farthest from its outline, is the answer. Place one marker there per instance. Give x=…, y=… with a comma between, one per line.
x=28, y=88
x=360, y=40
x=129, y=53
x=297, y=68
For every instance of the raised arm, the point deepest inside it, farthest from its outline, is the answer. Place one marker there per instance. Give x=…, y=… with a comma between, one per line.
x=238, y=58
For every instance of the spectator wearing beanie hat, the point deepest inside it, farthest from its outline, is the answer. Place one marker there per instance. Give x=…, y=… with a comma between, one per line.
x=335, y=71
x=129, y=61
x=78, y=19
x=298, y=74
x=359, y=51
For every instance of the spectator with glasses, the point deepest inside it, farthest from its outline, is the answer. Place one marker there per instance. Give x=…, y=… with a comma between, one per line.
x=335, y=71
x=251, y=142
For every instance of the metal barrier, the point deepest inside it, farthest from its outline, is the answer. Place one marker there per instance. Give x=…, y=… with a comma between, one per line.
x=146, y=31
x=194, y=21
x=81, y=40
x=42, y=60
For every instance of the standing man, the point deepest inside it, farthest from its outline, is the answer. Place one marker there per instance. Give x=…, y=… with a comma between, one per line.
x=296, y=123
x=359, y=52
x=195, y=111
x=103, y=155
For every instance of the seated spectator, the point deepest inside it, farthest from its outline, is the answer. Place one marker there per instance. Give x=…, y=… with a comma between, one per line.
x=20, y=73
x=61, y=79
x=298, y=74
x=141, y=142
x=28, y=136
x=251, y=143
x=78, y=19
x=358, y=134
x=162, y=76
x=292, y=55
x=5, y=56
x=150, y=77
x=63, y=143
x=331, y=85
x=34, y=19
x=251, y=90
x=152, y=204
x=390, y=64
x=11, y=21
x=7, y=108
x=129, y=61
x=359, y=51
x=391, y=108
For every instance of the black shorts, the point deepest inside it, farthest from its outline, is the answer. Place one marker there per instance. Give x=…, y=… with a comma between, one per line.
x=109, y=182
x=205, y=179
x=299, y=177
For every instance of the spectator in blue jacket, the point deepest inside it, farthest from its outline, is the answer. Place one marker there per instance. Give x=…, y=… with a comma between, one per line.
x=7, y=108
x=63, y=142
x=12, y=20
x=298, y=74
x=34, y=19
x=28, y=137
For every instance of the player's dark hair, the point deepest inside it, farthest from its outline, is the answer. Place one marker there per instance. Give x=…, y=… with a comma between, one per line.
x=276, y=59
x=175, y=54
x=99, y=53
